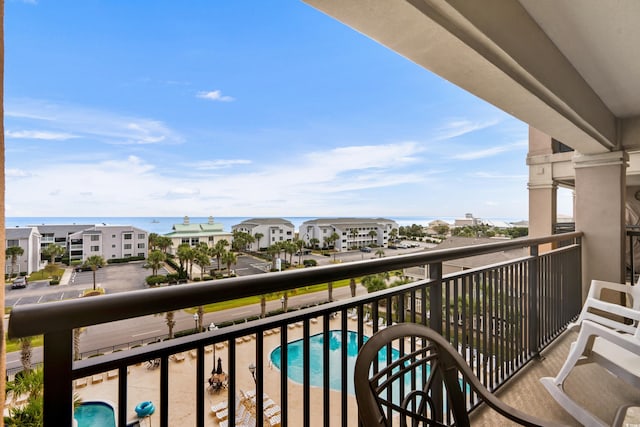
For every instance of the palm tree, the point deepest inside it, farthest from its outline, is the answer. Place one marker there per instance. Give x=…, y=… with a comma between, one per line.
x=333, y=239
x=155, y=261
x=299, y=246
x=218, y=250
x=13, y=252
x=185, y=255
x=52, y=251
x=393, y=234
x=200, y=317
x=380, y=253
x=153, y=241
x=163, y=243
x=229, y=258
x=94, y=262
x=30, y=383
x=330, y=290
x=372, y=234
x=354, y=234
x=25, y=353
x=170, y=321
x=202, y=260
x=313, y=242
x=290, y=248
x=258, y=236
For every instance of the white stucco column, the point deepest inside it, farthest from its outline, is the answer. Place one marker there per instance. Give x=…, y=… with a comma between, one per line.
x=542, y=188
x=600, y=215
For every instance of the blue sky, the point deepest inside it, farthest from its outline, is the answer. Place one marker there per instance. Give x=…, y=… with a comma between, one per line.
x=239, y=108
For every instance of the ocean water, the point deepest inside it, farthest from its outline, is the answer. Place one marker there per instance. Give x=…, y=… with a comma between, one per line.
x=162, y=225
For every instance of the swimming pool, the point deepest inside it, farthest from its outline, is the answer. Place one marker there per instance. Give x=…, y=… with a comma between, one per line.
x=316, y=343
x=95, y=414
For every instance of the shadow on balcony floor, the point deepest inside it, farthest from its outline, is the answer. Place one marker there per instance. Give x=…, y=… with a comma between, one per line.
x=590, y=385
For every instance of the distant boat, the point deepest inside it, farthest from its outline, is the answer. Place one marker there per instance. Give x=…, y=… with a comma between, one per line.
x=155, y=221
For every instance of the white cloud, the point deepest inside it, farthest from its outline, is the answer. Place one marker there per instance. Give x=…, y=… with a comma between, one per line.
x=489, y=152
x=219, y=164
x=16, y=173
x=313, y=183
x=35, y=134
x=215, y=95
x=458, y=128
x=491, y=175
x=94, y=124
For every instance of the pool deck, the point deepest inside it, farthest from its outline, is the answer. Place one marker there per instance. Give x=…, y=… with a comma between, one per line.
x=143, y=384
x=599, y=390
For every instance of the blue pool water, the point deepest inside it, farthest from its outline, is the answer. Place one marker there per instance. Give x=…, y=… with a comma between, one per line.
x=95, y=414
x=316, y=343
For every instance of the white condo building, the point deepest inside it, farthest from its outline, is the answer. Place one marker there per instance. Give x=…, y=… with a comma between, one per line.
x=108, y=241
x=27, y=238
x=273, y=230
x=352, y=232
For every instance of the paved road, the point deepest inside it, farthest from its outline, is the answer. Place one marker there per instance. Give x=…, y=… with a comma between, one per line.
x=124, y=277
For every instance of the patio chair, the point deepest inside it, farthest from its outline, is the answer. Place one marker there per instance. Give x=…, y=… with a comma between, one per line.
x=618, y=352
x=407, y=388
x=607, y=313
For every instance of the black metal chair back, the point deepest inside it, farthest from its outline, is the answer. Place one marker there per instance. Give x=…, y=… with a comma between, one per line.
x=409, y=375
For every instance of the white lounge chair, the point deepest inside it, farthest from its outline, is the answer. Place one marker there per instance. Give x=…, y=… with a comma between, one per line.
x=609, y=314
x=604, y=338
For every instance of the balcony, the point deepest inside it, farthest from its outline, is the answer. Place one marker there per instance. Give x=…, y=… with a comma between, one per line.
x=502, y=317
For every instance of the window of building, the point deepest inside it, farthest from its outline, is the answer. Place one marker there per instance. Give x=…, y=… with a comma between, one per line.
x=95, y=248
x=128, y=236
x=140, y=253
x=127, y=255
x=113, y=236
x=185, y=240
x=211, y=238
x=113, y=255
x=195, y=241
x=141, y=236
x=95, y=238
x=281, y=238
x=140, y=245
x=113, y=246
x=127, y=246
x=11, y=243
x=273, y=239
x=288, y=233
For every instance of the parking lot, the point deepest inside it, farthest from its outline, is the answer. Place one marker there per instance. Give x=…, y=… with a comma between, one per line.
x=113, y=278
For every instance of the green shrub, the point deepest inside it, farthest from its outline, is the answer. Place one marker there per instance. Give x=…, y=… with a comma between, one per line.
x=207, y=277
x=196, y=279
x=155, y=280
x=310, y=262
x=172, y=277
x=54, y=282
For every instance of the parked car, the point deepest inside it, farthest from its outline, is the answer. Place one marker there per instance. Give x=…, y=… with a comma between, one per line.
x=19, y=282
x=365, y=249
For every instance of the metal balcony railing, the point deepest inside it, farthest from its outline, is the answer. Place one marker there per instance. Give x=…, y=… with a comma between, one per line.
x=499, y=316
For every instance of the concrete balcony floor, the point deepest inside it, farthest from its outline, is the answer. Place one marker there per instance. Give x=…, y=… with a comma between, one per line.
x=590, y=385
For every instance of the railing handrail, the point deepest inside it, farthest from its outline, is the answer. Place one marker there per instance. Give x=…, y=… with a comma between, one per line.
x=37, y=319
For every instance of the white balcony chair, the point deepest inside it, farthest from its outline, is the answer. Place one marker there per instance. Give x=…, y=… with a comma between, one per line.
x=607, y=313
x=605, y=338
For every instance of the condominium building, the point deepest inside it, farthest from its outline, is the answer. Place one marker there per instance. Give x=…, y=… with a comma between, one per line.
x=58, y=233
x=273, y=230
x=27, y=238
x=352, y=232
x=108, y=241
x=210, y=233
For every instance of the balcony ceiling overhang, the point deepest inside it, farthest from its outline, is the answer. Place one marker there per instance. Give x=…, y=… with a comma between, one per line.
x=568, y=68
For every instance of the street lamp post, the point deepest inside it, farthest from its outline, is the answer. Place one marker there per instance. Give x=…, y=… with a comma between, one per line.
x=282, y=302
x=252, y=369
x=213, y=327
x=195, y=319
